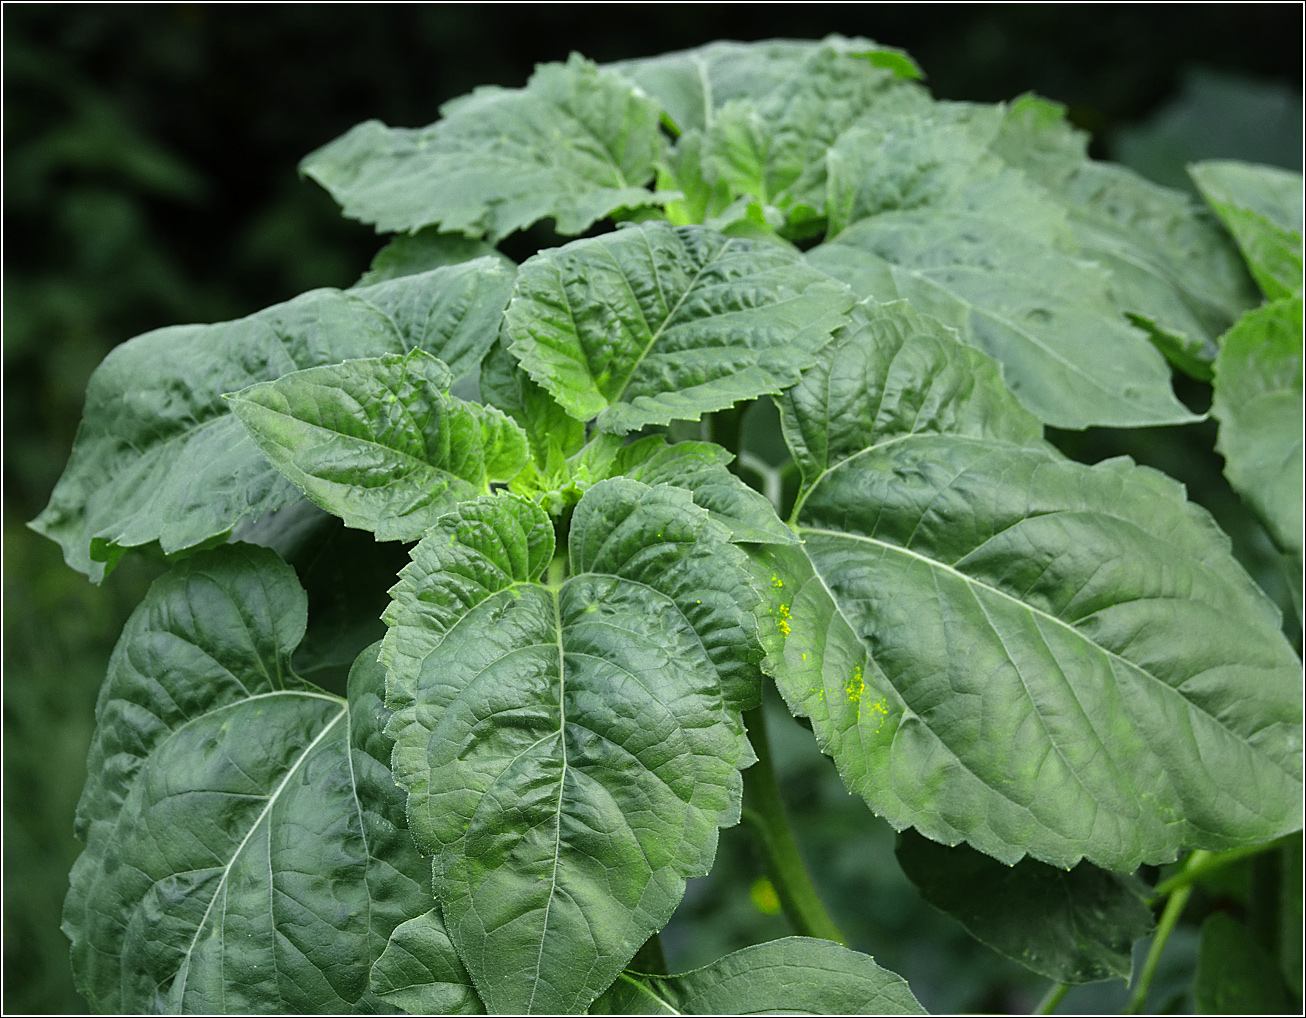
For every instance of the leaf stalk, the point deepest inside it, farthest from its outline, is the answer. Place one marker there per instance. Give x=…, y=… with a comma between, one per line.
x=764, y=813
x=1174, y=908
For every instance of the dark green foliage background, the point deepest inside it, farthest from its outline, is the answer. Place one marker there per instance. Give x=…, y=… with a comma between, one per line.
x=149, y=180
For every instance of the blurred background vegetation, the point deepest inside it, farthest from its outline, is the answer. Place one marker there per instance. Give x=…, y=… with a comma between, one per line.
x=149, y=179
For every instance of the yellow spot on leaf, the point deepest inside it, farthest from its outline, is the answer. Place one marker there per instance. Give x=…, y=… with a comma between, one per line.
x=781, y=613
x=855, y=685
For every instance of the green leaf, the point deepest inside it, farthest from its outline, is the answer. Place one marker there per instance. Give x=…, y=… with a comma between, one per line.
x=657, y=323
x=420, y=972
x=1173, y=269
x=569, y=751
x=246, y=849
x=553, y=433
x=973, y=243
x=379, y=442
x=774, y=148
x=1003, y=647
x=1258, y=402
x=452, y=312
x=691, y=85
x=1235, y=975
x=410, y=253
x=1262, y=207
x=159, y=456
x=1073, y=926
x=702, y=468
x=576, y=144
x=796, y=975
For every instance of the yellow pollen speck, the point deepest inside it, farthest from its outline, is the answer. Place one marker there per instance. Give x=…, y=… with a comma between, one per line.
x=776, y=581
x=782, y=618
x=855, y=685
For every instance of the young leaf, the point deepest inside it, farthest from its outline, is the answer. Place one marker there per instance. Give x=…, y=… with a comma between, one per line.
x=569, y=751
x=246, y=849
x=973, y=243
x=159, y=456
x=1258, y=402
x=692, y=85
x=419, y=970
x=575, y=144
x=658, y=323
x=774, y=148
x=1173, y=270
x=553, y=433
x=380, y=442
x=1073, y=926
x=1262, y=207
x=1037, y=657
x=796, y=975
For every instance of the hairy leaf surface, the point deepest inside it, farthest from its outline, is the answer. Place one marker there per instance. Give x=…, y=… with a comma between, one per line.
x=246, y=845
x=1073, y=926
x=379, y=442
x=160, y=458
x=654, y=324
x=1034, y=656
x=939, y=220
x=796, y=975
x=575, y=144
x=1262, y=207
x=569, y=751
x=1258, y=402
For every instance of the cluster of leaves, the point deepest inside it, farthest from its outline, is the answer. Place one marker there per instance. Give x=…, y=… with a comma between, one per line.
x=1060, y=665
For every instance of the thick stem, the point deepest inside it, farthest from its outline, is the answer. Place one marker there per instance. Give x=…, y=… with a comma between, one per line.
x=764, y=814
x=1174, y=907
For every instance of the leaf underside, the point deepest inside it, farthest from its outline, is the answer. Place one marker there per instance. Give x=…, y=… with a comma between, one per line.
x=569, y=752
x=246, y=849
x=1003, y=647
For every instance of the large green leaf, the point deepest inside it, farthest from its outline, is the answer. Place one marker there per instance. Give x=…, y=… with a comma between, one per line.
x=410, y=253
x=159, y=456
x=1258, y=402
x=1262, y=207
x=379, y=442
x=797, y=975
x=657, y=323
x=1003, y=647
x=938, y=219
x=1073, y=926
x=553, y=433
x=575, y=144
x=691, y=85
x=246, y=847
x=420, y=972
x=569, y=751
x=1173, y=269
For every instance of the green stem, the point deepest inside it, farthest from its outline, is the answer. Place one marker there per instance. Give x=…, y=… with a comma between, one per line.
x=1174, y=907
x=764, y=814
x=1052, y=998
x=1211, y=861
